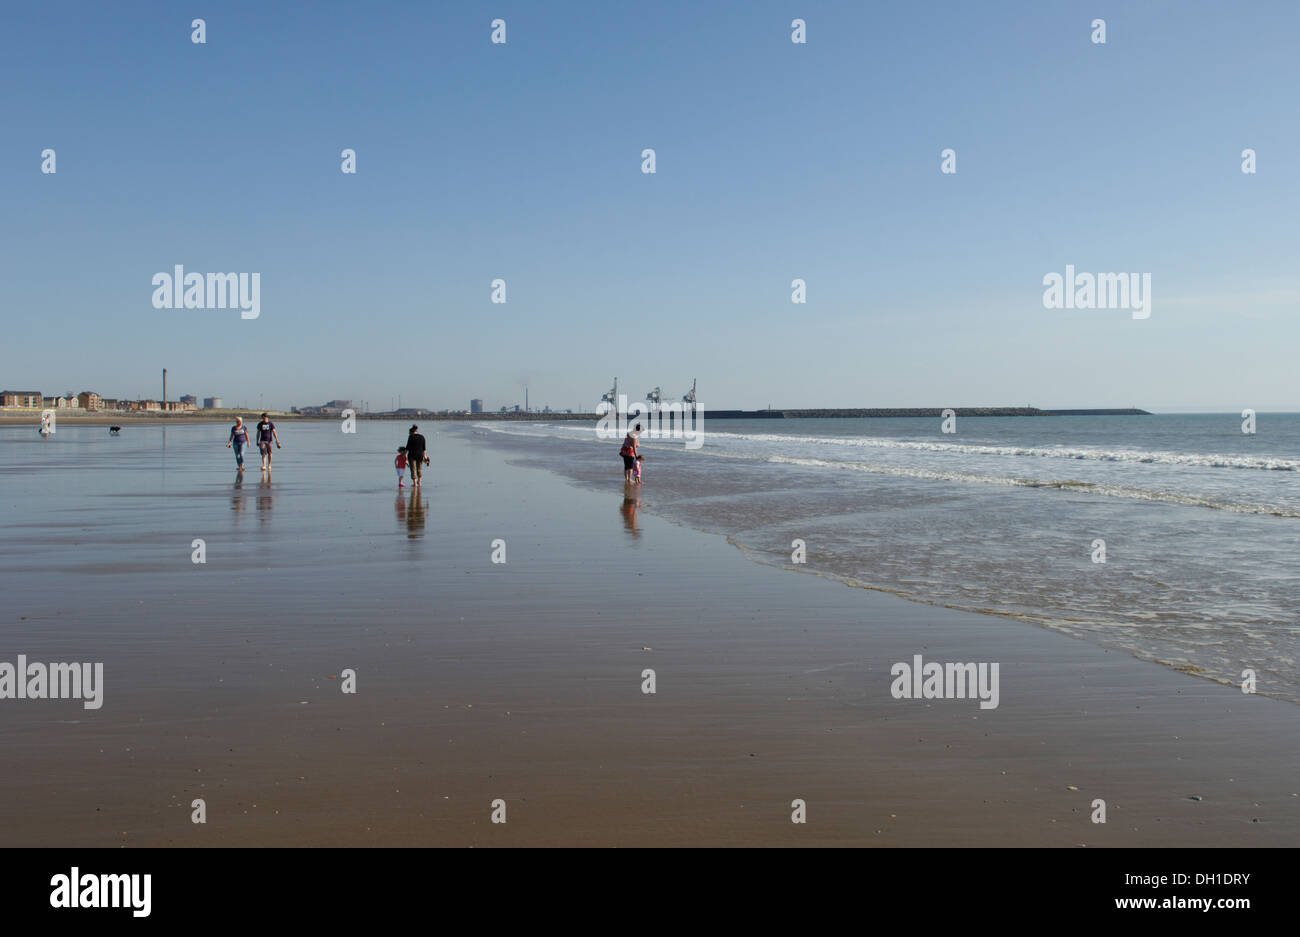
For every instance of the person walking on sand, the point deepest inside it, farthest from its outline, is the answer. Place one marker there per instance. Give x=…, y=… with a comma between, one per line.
x=266, y=434
x=238, y=439
x=628, y=452
x=415, y=456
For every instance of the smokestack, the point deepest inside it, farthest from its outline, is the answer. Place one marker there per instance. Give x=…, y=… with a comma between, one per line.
x=164, y=400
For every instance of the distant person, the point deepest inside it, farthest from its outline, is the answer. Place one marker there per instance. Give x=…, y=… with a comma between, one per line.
x=637, y=473
x=415, y=457
x=266, y=434
x=400, y=464
x=238, y=439
x=628, y=452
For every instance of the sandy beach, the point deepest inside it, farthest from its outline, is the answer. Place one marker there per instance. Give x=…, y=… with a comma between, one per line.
x=522, y=681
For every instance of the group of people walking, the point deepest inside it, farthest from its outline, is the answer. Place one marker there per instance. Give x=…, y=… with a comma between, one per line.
x=266, y=435
x=412, y=457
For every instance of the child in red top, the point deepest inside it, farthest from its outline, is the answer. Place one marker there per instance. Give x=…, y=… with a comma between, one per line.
x=400, y=462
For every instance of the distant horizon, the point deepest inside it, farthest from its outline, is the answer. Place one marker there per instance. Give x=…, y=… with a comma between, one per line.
x=378, y=407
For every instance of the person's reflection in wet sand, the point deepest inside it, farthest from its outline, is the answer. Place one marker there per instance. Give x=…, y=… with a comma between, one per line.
x=401, y=509
x=237, y=497
x=631, y=504
x=264, y=498
x=415, y=515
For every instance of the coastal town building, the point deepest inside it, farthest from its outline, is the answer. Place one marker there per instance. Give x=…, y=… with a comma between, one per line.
x=30, y=399
x=90, y=401
x=213, y=403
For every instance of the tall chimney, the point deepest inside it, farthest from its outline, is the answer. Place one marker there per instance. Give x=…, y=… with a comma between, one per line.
x=164, y=400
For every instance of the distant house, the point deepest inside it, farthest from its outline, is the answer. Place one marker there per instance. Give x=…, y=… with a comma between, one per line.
x=89, y=400
x=62, y=403
x=112, y=403
x=31, y=399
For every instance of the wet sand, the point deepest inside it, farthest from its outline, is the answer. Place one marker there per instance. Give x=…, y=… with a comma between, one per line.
x=522, y=681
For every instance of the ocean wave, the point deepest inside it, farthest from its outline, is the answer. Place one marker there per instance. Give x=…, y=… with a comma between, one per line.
x=1162, y=457
x=1084, y=453
x=1067, y=484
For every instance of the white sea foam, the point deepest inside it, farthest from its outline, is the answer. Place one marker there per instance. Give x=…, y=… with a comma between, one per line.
x=1190, y=499
x=1157, y=456
x=1088, y=453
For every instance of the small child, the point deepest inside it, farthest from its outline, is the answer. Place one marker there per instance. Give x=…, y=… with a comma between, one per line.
x=637, y=470
x=400, y=462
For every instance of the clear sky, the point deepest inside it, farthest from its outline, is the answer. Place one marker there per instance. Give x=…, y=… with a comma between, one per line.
x=774, y=161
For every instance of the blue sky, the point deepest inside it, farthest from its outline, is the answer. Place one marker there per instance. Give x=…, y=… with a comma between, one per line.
x=774, y=161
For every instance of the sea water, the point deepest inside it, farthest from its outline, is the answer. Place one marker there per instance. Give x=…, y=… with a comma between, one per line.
x=1198, y=523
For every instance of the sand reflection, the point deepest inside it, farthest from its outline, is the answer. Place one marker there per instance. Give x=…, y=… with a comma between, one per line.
x=414, y=515
x=631, y=504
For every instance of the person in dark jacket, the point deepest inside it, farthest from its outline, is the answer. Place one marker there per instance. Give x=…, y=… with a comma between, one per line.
x=415, y=457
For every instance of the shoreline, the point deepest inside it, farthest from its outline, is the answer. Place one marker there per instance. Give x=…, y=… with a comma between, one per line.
x=1042, y=621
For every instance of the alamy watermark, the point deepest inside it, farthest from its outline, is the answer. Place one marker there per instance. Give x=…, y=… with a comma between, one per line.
x=945, y=681
x=674, y=420
x=181, y=290
x=1098, y=291
x=86, y=890
x=53, y=681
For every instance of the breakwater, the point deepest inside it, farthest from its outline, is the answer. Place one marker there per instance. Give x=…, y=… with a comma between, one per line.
x=803, y=414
